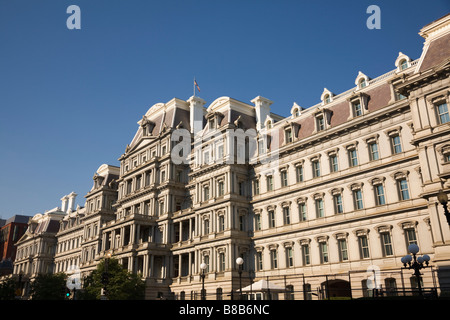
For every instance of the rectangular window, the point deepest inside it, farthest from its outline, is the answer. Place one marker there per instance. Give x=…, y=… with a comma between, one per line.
x=442, y=110
x=373, y=151
x=206, y=227
x=220, y=188
x=129, y=183
x=286, y=215
x=273, y=259
x=305, y=255
x=357, y=109
x=138, y=182
x=148, y=175
x=241, y=185
x=320, y=123
x=319, y=208
x=259, y=265
x=338, y=207
x=403, y=189
x=379, y=195
x=206, y=157
x=257, y=222
x=205, y=193
x=447, y=157
x=241, y=223
x=179, y=176
x=284, y=181
x=220, y=152
x=353, y=159
x=357, y=198
x=363, y=247
x=410, y=235
x=343, y=252
x=396, y=145
x=299, y=173
x=302, y=211
x=323, y=252
x=288, y=135
x=256, y=187
x=269, y=183
x=221, y=223
x=386, y=244
x=316, y=168
x=271, y=219
x=259, y=261
x=334, y=163
x=289, y=257
x=206, y=261
x=221, y=261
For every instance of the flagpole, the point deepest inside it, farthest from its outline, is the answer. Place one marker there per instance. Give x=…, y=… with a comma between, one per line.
x=194, y=86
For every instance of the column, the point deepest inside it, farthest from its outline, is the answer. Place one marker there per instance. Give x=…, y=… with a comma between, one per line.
x=190, y=229
x=113, y=239
x=151, y=272
x=132, y=234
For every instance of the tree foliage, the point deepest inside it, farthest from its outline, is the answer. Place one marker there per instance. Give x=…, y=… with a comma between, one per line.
x=49, y=287
x=122, y=284
x=7, y=289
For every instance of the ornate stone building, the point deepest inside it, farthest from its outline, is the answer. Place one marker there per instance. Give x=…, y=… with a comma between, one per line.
x=36, y=248
x=324, y=202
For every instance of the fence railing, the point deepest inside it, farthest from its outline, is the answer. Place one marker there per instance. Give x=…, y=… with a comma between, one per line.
x=390, y=284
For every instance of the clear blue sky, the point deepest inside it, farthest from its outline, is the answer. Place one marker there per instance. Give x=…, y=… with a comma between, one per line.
x=70, y=99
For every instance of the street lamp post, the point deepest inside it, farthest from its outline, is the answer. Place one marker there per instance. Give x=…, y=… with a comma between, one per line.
x=240, y=262
x=416, y=263
x=443, y=199
x=202, y=275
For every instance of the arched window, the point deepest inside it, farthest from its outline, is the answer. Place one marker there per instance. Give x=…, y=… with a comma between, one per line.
x=403, y=64
x=362, y=83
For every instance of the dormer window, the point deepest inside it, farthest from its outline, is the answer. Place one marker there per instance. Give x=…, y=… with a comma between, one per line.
x=402, y=62
x=296, y=110
x=361, y=80
x=320, y=122
x=288, y=135
x=362, y=83
x=358, y=104
x=327, y=96
x=356, y=107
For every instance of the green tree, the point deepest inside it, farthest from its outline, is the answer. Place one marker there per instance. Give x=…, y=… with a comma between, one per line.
x=122, y=285
x=8, y=289
x=49, y=287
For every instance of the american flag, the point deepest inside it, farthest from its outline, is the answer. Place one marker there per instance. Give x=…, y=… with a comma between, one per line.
x=196, y=84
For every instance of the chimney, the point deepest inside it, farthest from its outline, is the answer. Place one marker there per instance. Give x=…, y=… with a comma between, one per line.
x=71, y=204
x=262, y=108
x=196, y=113
x=64, y=204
